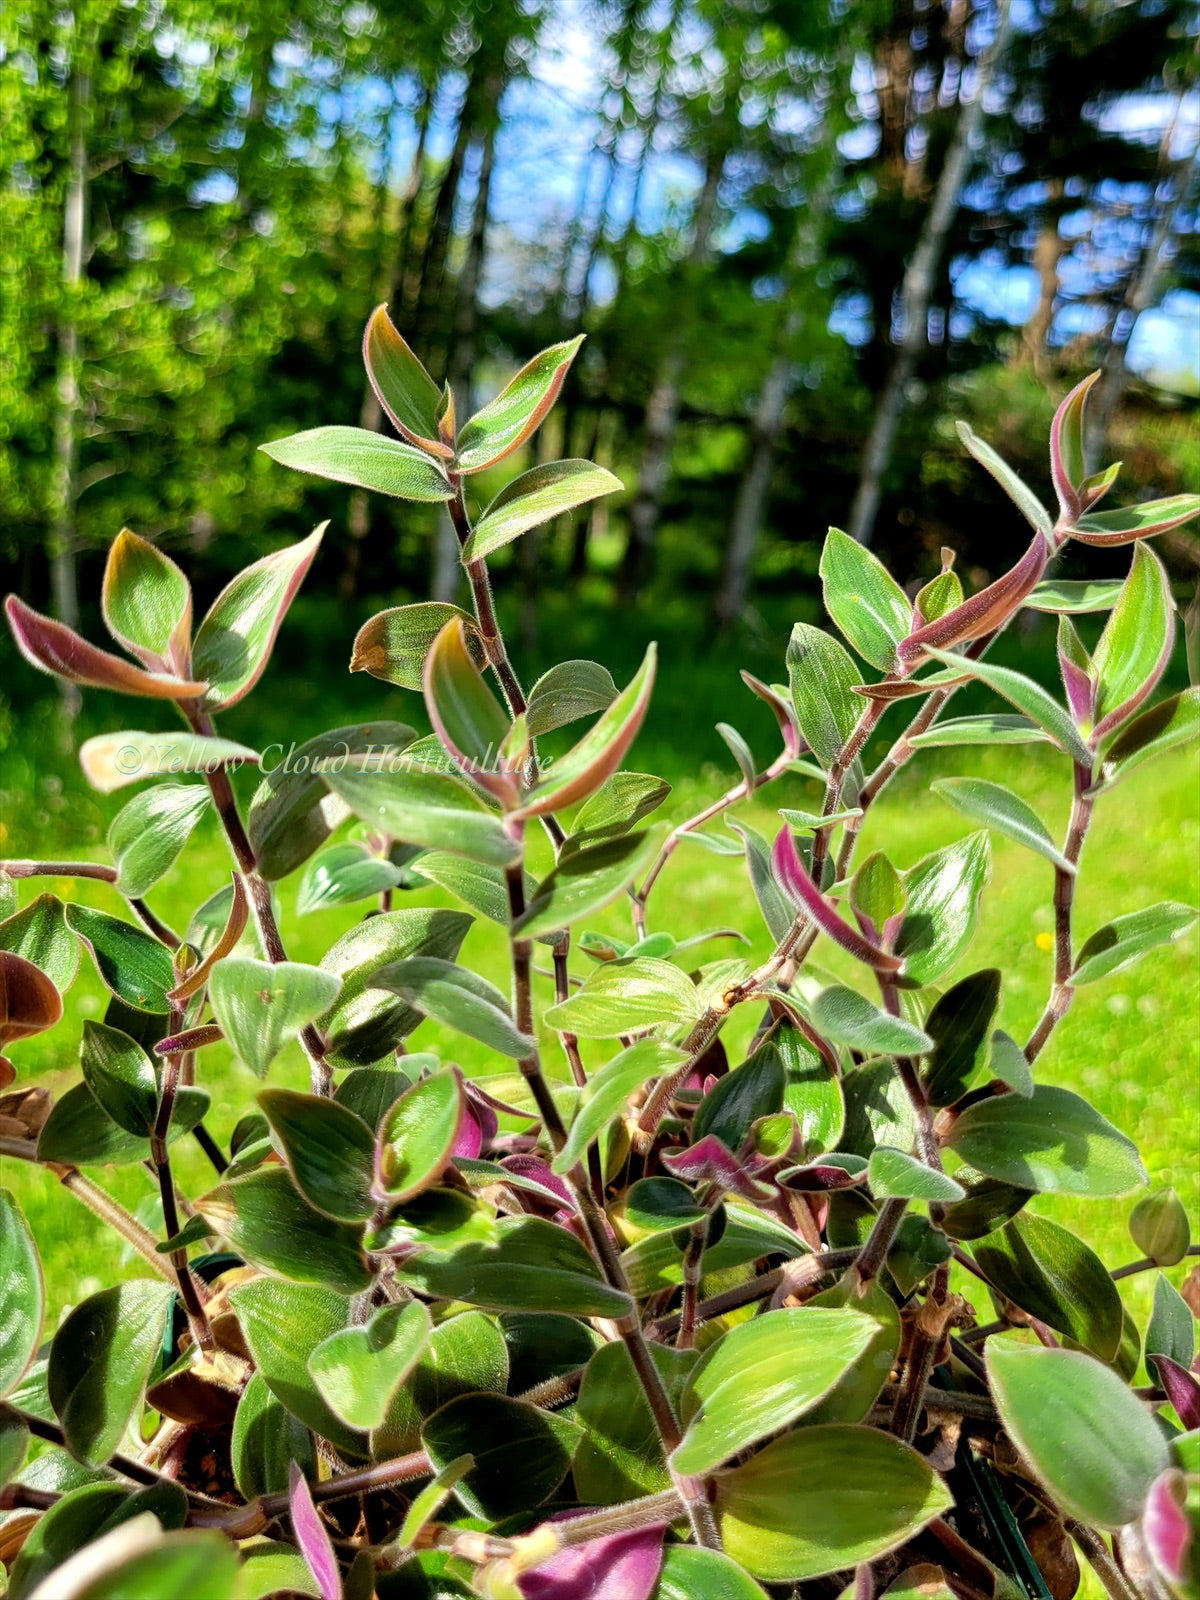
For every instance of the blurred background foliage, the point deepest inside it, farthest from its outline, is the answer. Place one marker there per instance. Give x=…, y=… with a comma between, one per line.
x=792, y=229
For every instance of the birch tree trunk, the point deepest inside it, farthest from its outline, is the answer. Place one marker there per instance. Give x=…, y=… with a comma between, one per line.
x=917, y=292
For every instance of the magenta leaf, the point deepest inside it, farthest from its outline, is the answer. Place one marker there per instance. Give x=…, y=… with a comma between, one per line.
x=1167, y=1527
x=535, y=1170
x=708, y=1161
x=799, y=888
x=619, y=1566
x=57, y=649
x=1066, y=449
x=312, y=1537
x=981, y=613
x=1183, y=1390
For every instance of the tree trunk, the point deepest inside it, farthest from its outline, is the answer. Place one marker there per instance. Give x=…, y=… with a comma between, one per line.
x=65, y=481
x=432, y=266
x=1143, y=292
x=917, y=292
x=662, y=409
x=447, y=570
x=1047, y=253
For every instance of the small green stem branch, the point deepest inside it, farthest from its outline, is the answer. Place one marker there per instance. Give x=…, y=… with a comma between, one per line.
x=97, y=1202
x=1061, y=992
x=244, y=1522
x=1146, y=1265
x=260, y=897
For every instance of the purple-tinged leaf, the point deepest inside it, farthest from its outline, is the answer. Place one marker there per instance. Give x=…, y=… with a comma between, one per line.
x=468, y=1141
x=534, y=1169
x=393, y=644
x=147, y=603
x=312, y=1536
x=536, y=497
x=1183, y=1390
x=365, y=460
x=1075, y=665
x=979, y=615
x=1066, y=449
x=505, y=424
x=618, y=1566
x=780, y=703
x=708, y=1161
x=235, y=640
x=1136, y=644
x=29, y=1002
x=796, y=884
x=466, y=716
x=403, y=387
x=1167, y=1527
x=1136, y=522
x=821, y=1177
x=1092, y=490
x=59, y=650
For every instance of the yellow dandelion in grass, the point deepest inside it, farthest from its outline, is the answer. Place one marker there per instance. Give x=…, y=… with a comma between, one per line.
x=1045, y=941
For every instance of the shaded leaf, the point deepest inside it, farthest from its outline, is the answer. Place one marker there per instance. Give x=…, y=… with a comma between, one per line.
x=147, y=835
x=567, y=692
x=268, y=1223
x=100, y=1361
x=1052, y=1275
x=133, y=965
x=22, y=1295
x=535, y=497
x=520, y=1454
x=329, y=1151
x=1053, y=1141
x=1125, y=939
x=459, y=998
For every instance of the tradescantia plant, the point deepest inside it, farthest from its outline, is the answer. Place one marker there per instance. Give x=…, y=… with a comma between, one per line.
x=622, y=1318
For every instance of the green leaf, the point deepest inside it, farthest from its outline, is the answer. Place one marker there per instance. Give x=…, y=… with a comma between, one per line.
x=620, y=1456
x=1173, y=722
x=269, y=1568
x=417, y=1135
x=1126, y=939
x=761, y=1376
x=1028, y=697
x=235, y=640
x=134, y=966
x=622, y=996
x=425, y=808
x=689, y=1572
x=606, y=1094
x=292, y=812
x=1053, y=1141
x=731, y=1107
x=535, y=497
x=959, y=1025
x=993, y=728
x=1136, y=522
x=1052, y=1275
x=100, y=1361
x=1172, y=1330
x=503, y=425
x=1159, y=1226
x=597, y=756
x=466, y=1354
x=393, y=644
x=84, y=1512
x=534, y=1267
x=147, y=835
x=39, y=934
x=283, y=1324
x=811, y=1092
x=329, y=1151
x=520, y=1454
x=845, y=1017
x=1019, y=492
x=366, y=1023
x=261, y=1005
x=484, y=889
x=988, y=1206
x=660, y=1205
x=943, y=893
x=341, y=875
x=22, y=1295
x=1009, y=1064
x=79, y=1133
x=1136, y=643
x=822, y=677
x=467, y=717
x=137, y=1561
x=999, y=808
x=893, y=1173
x=877, y=893
x=1092, y=1443
x=620, y=803
x=863, y=598
x=357, y=1370
x=438, y=1219
x=584, y=880
x=825, y=1498
x=146, y=602
x=459, y=998
x=1064, y=597
x=776, y=912
x=121, y=1077
x=14, y=1438
x=405, y=390
x=567, y=692
x=371, y=1091
x=266, y=1221
x=266, y=1437
x=364, y=459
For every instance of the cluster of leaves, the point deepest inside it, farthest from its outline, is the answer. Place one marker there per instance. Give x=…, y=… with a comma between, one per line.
x=671, y=1326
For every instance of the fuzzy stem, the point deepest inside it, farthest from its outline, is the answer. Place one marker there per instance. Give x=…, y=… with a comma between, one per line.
x=154, y=924
x=160, y=1156
x=243, y=1522
x=693, y=1255
x=1062, y=993
x=1098, y=1557
x=59, y=869
x=874, y=1253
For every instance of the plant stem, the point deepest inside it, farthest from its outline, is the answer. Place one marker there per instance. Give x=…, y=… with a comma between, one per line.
x=836, y=781
x=243, y=1522
x=926, y=1338
x=1146, y=1264
x=1098, y=1557
x=874, y=1253
x=160, y=1155
x=136, y=1471
x=59, y=869
x=154, y=924
x=1061, y=993
x=766, y=1283
x=693, y=1255
x=99, y=1203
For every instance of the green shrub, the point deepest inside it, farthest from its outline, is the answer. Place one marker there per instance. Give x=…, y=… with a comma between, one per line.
x=677, y=1326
